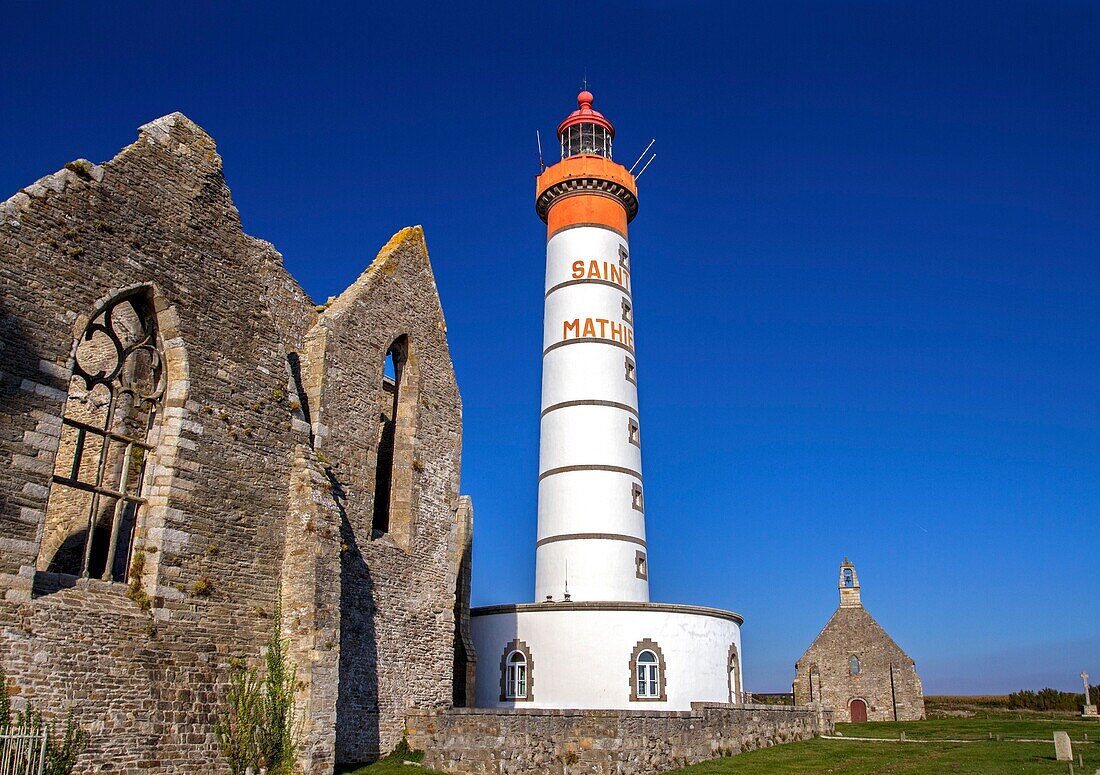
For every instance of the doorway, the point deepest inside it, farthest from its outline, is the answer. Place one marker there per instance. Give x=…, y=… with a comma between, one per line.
x=858, y=709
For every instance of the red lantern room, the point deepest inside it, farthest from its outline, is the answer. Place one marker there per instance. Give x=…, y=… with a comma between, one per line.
x=585, y=132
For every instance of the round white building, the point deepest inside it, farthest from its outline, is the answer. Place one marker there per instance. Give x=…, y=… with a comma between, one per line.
x=592, y=639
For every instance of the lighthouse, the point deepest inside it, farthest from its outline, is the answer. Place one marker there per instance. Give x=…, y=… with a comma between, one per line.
x=592, y=638
x=591, y=508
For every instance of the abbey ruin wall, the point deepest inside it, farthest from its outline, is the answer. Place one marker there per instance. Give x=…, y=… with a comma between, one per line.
x=257, y=486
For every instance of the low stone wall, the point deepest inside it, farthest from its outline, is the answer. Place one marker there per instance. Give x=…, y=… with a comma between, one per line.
x=620, y=742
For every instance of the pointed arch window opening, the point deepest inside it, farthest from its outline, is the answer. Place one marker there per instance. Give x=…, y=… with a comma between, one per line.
x=397, y=466
x=391, y=380
x=115, y=398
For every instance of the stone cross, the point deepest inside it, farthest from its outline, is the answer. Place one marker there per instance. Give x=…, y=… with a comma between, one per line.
x=1085, y=680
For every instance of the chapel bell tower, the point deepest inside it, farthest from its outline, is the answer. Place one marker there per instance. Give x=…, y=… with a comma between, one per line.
x=849, y=585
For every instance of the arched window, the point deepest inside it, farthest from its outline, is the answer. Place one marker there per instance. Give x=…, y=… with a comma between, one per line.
x=853, y=666
x=515, y=682
x=115, y=396
x=516, y=673
x=649, y=676
x=734, y=670
x=397, y=467
x=647, y=673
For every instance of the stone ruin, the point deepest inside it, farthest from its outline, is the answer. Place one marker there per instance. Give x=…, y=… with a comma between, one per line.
x=187, y=443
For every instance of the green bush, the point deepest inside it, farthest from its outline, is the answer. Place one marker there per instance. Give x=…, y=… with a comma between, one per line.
x=257, y=727
x=1052, y=699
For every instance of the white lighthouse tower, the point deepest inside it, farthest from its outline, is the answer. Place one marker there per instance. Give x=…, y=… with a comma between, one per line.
x=592, y=638
x=591, y=529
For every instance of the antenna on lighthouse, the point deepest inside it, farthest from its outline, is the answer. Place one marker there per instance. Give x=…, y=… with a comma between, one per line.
x=643, y=169
x=538, y=139
x=643, y=153
x=565, y=597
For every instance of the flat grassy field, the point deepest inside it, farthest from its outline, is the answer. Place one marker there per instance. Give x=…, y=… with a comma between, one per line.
x=885, y=756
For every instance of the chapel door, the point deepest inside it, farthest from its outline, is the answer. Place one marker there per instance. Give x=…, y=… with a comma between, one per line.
x=859, y=711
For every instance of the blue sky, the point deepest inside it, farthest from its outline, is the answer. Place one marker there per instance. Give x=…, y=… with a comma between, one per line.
x=866, y=278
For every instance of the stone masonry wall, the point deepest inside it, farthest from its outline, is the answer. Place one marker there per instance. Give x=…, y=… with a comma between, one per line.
x=259, y=482
x=465, y=741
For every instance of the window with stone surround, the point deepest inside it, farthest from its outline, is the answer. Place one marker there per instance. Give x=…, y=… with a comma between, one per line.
x=735, y=676
x=636, y=498
x=633, y=432
x=854, y=666
x=628, y=313
x=116, y=395
x=517, y=677
x=647, y=673
x=631, y=371
x=640, y=569
x=397, y=467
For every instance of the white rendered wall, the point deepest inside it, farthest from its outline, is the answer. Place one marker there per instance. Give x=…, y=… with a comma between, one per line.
x=591, y=526
x=582, y=659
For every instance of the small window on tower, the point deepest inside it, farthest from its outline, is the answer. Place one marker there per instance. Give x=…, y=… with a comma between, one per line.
x=640, y=566
x=631, y=371
x=627, y=316
x=624, y=258
x=636, y=496
x=633, y=432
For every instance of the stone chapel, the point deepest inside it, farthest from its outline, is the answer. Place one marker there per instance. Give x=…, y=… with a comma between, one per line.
x=855, y=668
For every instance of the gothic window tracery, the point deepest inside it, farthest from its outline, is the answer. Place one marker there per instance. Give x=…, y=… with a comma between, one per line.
x=116, y=393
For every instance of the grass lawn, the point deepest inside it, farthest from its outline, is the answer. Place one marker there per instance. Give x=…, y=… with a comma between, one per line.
x=394, y=763
x=983, y=757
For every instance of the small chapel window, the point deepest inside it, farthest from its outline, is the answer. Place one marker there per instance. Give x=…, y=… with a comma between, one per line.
x=115, y=397
x=853, y=666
